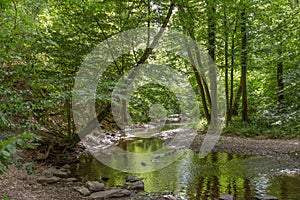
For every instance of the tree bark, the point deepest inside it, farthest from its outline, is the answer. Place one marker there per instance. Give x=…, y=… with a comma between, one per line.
x=211, y=23
x=200, y=86
x=244, y=66
x=228, y=108
x=280, y=84
x=200, y=79
x=236, y=105
x=232, y=71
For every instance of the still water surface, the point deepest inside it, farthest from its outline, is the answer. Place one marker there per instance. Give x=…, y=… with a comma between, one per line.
x=218, y=173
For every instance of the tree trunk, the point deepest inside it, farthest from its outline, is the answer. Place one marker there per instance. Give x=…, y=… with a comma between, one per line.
x=236, y=105
x=280, y=84
x=211, y=23
x=200, y=79
x=228, y=108
x=69, y=117
x=231, y=108
x=200, y=86
x=244, y=66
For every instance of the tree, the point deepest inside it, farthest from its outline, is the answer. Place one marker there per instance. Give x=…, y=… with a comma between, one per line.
x=244, y=65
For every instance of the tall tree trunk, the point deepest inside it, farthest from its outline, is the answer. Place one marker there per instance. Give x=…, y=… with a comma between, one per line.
x=211, y=23
x=233, y=109
x=244, y=66
x=228, y=108
x=236, y=105
x=200, y=86
x=69, y=117
x=280, y=84
x=200, y=79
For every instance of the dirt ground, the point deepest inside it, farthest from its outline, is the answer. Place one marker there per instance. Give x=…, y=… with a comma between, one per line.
x=250, y=146
x=19, y=186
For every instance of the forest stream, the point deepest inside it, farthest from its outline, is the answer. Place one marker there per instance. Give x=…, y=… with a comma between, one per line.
x=191, y=177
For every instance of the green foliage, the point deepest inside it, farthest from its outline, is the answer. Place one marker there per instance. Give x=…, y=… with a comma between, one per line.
x=43, y=44
x=8, y=147
x=149, y=95
x=267, y=125
x=6, y=197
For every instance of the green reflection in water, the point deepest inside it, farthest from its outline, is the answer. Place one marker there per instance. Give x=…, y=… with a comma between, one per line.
x=285, y=187
x=137, y=145
x=196, y=178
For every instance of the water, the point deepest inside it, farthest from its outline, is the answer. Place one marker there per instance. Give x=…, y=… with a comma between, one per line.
x=218, y=173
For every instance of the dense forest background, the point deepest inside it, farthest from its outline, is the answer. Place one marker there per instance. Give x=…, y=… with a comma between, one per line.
x=254, y=43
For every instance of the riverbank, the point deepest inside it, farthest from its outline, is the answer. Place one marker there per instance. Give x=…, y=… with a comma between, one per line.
x=16, y=184
x=250, y=146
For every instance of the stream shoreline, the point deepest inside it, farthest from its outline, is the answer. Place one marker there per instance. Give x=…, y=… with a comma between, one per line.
x=250, y=146
x=18, y=185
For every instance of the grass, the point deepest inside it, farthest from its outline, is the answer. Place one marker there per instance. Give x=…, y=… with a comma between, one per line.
x=261, y=129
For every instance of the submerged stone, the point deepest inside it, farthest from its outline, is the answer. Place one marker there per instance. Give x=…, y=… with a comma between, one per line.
x=266, y=197
x=169, y=197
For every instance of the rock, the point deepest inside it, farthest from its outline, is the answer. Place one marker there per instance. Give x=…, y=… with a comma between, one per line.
x=139, y=185
x=125, y=186
x=50, y=170
x=82, y=190
x=110, y=193
x=173, y=116
x=66, y=166
x=226, y=197
x=71, y=179
x=95, y=186
x=62, y=173
x=169, y=197
x=47, y=180
x=121, y=193
x=267, y=197
x=132, y=179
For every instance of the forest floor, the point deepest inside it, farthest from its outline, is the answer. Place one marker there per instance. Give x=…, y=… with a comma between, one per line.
x=18, y=185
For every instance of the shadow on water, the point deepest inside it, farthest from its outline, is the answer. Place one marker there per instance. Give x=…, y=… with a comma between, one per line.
x=193, y=178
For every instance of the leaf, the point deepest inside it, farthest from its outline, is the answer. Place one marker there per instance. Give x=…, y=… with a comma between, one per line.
x=11, y=148
x=5, y=153
x=20, y=142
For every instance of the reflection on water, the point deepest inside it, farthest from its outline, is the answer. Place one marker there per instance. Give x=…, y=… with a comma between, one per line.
x=193, y=178
x=137, y=145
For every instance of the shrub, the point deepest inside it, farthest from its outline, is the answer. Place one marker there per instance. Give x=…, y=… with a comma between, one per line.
x=8, y=148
